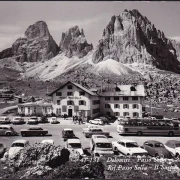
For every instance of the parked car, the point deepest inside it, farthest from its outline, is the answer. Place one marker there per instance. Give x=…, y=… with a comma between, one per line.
x=2, y=149
x=48, y=141
x=74, y=143
x=16, y=147
x=18, y=120
x=157, y=149
x=99, y=131
x=100, y=147
x=68, y=133
x=5, y=120
x=7, y=130
x=104, y=119
x=34, y=131
x=96, y=121
x=53, y=120
x=174, y=147
x=33, y=120
x=43, y=119
x=128, y=147
x=89, y=127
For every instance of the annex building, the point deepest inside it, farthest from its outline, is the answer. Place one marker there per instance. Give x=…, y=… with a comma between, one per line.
x=73, y=99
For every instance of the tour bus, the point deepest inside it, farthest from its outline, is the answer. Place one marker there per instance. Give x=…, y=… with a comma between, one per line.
x=100, y=146
x=149, y=127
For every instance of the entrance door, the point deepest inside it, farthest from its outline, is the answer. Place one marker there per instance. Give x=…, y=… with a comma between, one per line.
x=69, y=112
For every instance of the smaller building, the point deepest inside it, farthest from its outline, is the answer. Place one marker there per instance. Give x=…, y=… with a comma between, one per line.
x=35, y=109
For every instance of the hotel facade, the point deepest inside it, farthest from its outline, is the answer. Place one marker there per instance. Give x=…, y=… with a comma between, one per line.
x=73, y=99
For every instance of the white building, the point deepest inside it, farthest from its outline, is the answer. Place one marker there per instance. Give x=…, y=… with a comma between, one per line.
x=73, y=99
x=35, y=108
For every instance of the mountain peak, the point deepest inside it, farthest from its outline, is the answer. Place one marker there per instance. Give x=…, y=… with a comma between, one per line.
x=131, y=38
x=74, y=43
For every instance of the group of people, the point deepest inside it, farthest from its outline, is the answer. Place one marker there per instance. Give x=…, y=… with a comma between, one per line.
x=77, y=119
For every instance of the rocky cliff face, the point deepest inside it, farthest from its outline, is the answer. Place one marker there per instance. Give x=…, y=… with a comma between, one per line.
x=131, y=38
x=176, y=46
x=37, y=45
x=74, y=43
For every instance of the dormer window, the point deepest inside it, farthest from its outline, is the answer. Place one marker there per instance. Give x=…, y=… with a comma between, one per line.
x=117, y=89
x=133, y=88
x=69, y=87
x=82, y=93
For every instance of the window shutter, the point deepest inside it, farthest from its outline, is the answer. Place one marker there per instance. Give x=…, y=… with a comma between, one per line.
x=64, y=108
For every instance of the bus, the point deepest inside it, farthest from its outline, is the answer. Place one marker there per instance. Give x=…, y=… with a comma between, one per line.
x=148, y=126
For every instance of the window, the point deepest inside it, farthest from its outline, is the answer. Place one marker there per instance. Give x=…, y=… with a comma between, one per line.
x=58, y=93
x=135, y=114
x=96, y=102
x=126, y=106
x=117, y=114
x=125, y=114
x=69, y=87
x=125, y=98
x=58, y=102
x=34, y=109
x=135, y=106
x=107, y=106
x=69, y=93
x=116, y=106
x=28, y=109
x=69, y=102
x=116, y=98
x=135, y=98
x=96, y=110
x=82, y=102
x=45, y=109
x=107, y=98
x=82, y=93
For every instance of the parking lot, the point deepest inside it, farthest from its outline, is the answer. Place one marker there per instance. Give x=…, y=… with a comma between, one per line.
x=55, y=133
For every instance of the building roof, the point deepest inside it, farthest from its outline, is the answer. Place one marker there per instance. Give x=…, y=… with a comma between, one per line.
x=40, y=104
x=77, y=85
x=125, y=90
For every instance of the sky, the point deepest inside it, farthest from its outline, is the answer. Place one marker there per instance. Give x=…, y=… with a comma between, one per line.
x=93, y=17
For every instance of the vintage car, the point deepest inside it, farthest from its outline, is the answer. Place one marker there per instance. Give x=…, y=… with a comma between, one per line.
x=43, y=119
x=104, y=119
x=18, y=120
x=96, y=121
x=74, y=143
x=100, y=146
x=53, y=120
x=34, y=131
x=157, y=149
x=16, y=147
x=128, y=147
x=33, y=120
x=89, y=127
x=96, y=131
x=7, y=131
x=174, y=147
x=68, y=133
x=2, y=149
x=47, y=141
x=5, y=120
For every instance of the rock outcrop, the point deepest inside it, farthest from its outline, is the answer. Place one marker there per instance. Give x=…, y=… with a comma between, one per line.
x=176, y=45
x=74, y=43
x=37, y=45
x=131, y=38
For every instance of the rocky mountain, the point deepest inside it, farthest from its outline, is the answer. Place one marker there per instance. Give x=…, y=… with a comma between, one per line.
x=74, y=43
x=176, y=46
x=131, y=38
x=37, y=45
